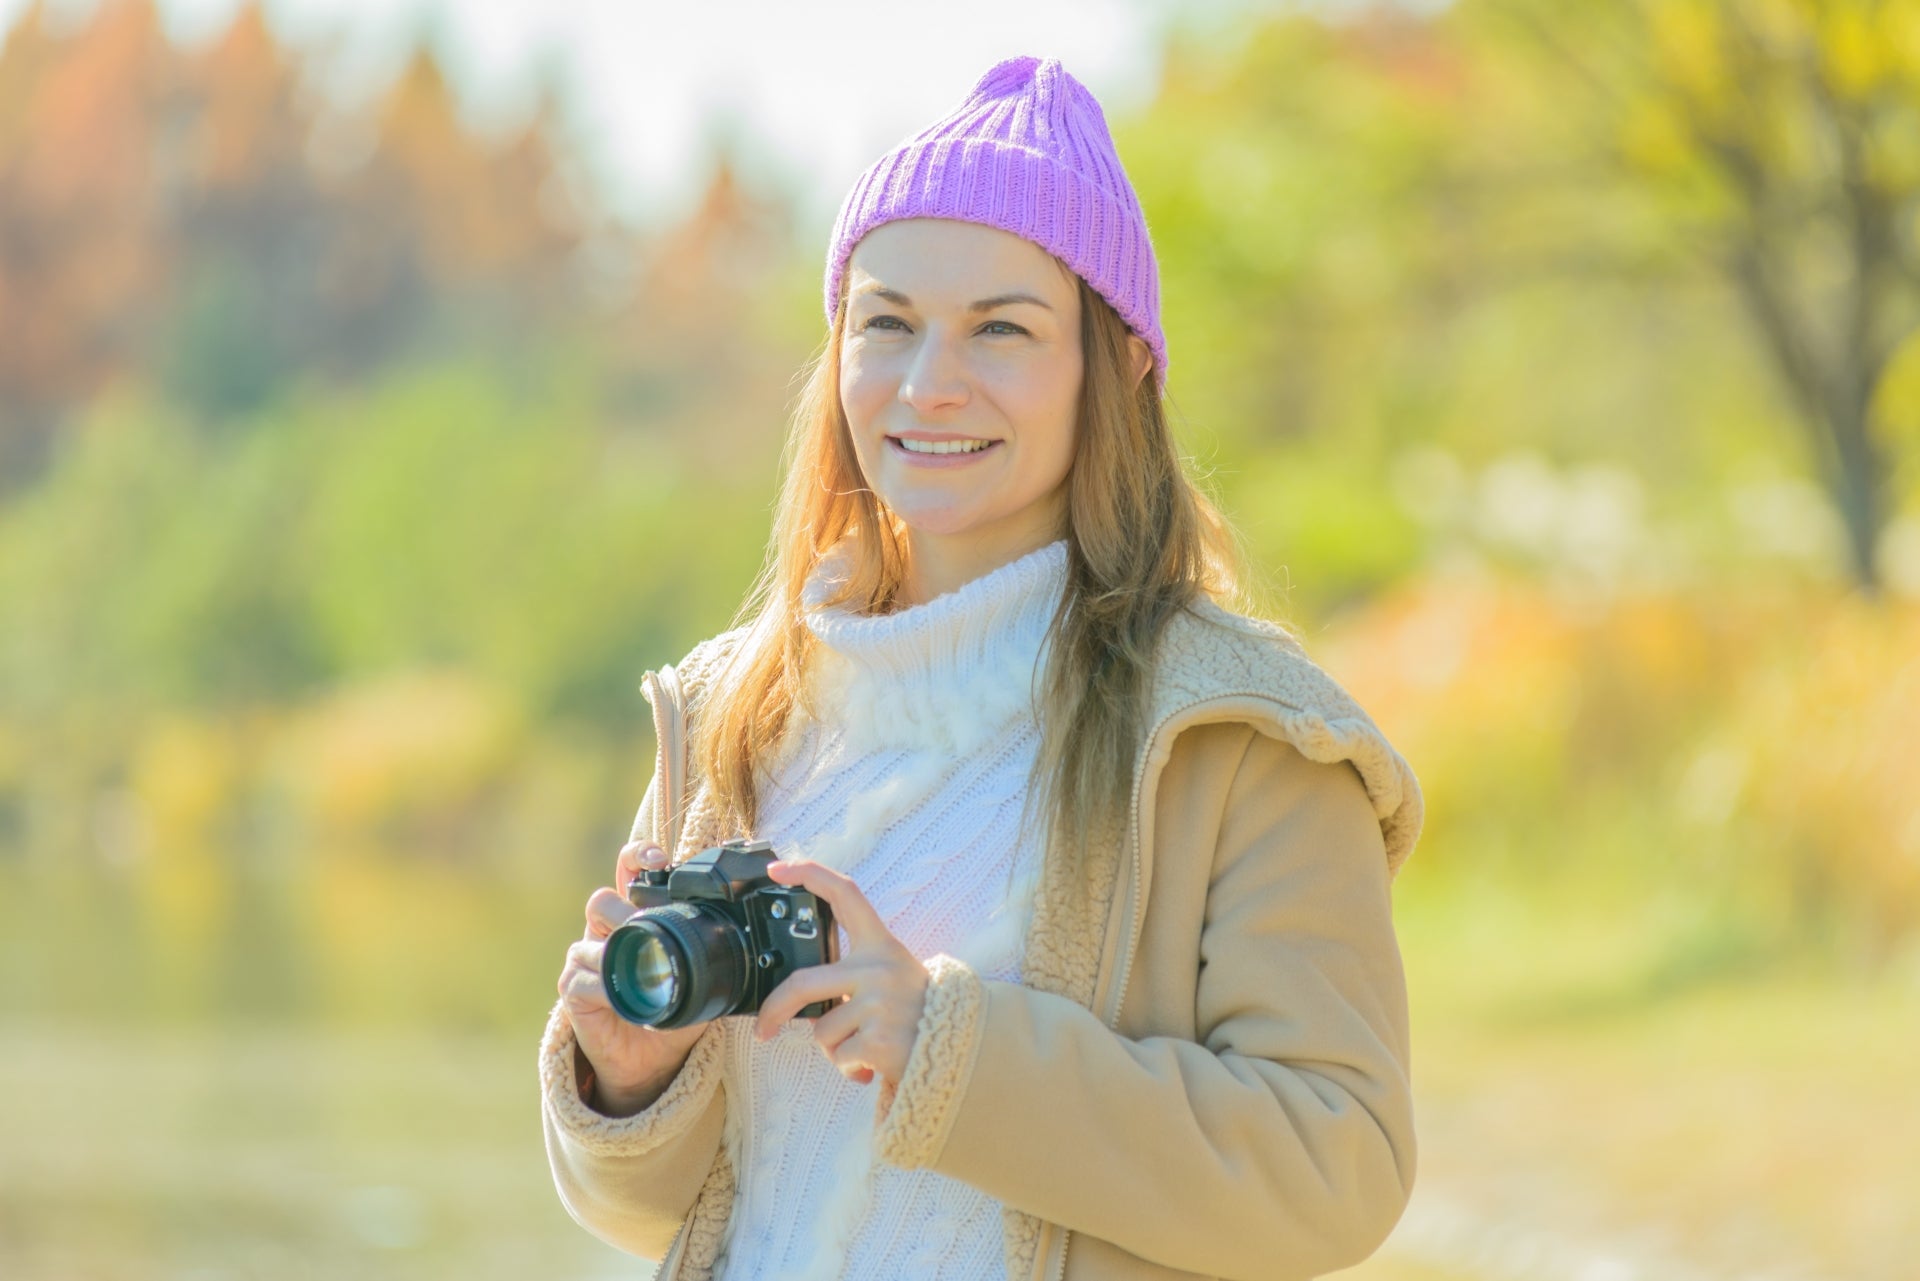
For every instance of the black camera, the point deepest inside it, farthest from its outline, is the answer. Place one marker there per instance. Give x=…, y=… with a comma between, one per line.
x=714, y=936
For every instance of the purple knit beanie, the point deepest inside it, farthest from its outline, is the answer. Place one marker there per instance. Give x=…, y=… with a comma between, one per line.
x=1028, y=151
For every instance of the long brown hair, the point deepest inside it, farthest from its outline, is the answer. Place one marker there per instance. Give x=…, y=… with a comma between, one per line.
x=1142, y=542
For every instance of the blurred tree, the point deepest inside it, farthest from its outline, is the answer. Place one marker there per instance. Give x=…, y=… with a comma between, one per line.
x=476, y=235
x=244, y=229
x=1781, y=139
x=1298, y=179
x=79, y=197
x=724, y=306
x=191, y=216
x=1660, y=237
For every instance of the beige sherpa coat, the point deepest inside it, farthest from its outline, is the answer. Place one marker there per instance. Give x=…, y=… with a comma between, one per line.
x=1204, y=1068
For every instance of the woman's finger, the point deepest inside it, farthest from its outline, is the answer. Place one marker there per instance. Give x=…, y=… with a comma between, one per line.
x=607, y=909
x=586, y=954
x=581, y=988
x=632, y=857
x=854, y=1056
x=836, y=1025
x=850, y=907
x=800, y=989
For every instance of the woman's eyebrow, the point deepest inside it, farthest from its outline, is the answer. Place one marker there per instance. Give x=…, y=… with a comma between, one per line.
x=985, y=304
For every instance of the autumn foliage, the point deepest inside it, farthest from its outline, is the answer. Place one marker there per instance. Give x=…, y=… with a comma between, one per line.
x=355, y=462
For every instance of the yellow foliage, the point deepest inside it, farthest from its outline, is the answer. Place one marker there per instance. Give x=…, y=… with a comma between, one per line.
x=1852, y=52
x=185, y=773
x=1896, y=399
x=1771, y=736
x=391, y=936
x=1686, y=48
x=1900, y=40
x=1652, y=137
x=1835, y=765
x=408, y=739
x=185, y=893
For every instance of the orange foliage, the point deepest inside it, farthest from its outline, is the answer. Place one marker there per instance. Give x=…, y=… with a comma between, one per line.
x=78, y=199
x=1833, y=742
x=1790, y=726
x=1499, y=692
x=134, y=172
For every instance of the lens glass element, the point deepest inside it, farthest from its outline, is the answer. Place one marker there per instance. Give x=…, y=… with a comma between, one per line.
x=641, y=983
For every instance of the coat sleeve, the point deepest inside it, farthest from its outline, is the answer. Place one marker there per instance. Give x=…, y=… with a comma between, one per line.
x=631, y=1180
x=1278, y=1145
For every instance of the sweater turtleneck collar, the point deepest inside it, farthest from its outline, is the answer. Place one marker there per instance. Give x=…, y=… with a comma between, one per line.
x=943, y=675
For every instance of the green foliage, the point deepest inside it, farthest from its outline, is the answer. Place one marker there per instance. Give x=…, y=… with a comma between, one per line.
x=440, y=518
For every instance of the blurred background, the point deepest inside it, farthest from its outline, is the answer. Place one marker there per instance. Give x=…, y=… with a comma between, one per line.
x=384, y=388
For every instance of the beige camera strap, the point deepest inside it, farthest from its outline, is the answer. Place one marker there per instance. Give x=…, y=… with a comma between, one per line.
x=663, y=690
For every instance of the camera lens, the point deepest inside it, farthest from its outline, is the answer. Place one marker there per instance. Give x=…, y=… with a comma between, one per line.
x=675, y=964
x=640, y=970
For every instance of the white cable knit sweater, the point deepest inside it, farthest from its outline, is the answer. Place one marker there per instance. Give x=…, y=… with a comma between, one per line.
x=911, y=781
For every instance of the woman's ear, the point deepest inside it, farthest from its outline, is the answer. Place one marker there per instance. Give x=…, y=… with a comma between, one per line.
x=1142, y=357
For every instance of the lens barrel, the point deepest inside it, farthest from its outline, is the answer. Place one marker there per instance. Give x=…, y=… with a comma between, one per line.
x=676, y=964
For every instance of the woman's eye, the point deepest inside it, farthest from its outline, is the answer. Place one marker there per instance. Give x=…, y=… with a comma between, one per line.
x=895, y=323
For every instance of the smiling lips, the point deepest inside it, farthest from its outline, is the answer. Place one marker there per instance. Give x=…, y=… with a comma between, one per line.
x=943, y=446
x=941, y=451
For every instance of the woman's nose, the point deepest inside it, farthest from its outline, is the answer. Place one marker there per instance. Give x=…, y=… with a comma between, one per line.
x=935, y=377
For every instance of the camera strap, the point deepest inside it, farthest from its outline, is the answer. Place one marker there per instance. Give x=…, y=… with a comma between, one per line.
x=663, y=691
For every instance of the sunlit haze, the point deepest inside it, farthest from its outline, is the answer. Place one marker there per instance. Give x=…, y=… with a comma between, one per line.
x=807, y=94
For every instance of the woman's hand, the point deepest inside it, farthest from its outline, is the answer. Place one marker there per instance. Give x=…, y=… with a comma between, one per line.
x=874, y=1029
x=632, y=1064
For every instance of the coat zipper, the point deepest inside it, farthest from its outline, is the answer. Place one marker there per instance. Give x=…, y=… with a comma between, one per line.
x=670, y=1265
x=1133, y=928
x=1135, y=904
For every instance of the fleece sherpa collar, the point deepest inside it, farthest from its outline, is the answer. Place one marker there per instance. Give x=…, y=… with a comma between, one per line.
x=1210, y=653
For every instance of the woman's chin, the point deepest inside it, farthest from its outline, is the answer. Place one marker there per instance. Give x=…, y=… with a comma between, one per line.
x=939, y=522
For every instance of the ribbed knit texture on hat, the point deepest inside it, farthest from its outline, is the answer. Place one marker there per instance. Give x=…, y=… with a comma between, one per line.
x=1028, y=151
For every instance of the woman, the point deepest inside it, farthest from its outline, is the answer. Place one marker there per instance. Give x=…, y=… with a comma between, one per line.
x=1111, y=862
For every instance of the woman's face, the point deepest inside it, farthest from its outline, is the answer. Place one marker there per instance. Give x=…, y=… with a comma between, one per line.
x=963, y=339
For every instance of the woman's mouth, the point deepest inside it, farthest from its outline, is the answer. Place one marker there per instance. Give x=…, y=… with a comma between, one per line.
x=940, y=453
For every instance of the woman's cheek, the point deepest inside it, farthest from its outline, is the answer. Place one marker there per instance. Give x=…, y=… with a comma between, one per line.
x=862, y=383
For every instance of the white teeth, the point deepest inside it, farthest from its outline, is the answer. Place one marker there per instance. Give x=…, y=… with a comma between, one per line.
x=944, y=446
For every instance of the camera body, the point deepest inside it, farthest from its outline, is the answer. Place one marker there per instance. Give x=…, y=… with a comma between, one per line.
x=714, y=935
